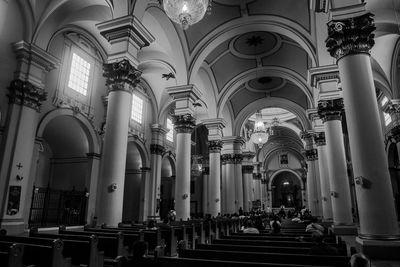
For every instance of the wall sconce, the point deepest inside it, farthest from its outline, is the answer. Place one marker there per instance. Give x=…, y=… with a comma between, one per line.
x=217, y=200
x=19, y=178
x=362, y=181
x=185, y=196
x=112, y=187
x=87, y=194
x=334, y=194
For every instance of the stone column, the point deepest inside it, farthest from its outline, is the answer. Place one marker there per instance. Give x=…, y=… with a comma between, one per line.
x=206, y=177
x=26, y=94
x=229, y=183
x=121, y=79
x=156, y=150
x=247, y=170
x=237, y=159
x=330, y=112
x=223, y=186
x=349, y=40
x=184, y=123
x=126, y=36
x=92, y=181
x=214, y=127
x=320, y=142
x=311, y=155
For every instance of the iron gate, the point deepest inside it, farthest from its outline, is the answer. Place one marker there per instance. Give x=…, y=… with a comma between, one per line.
x=52, y=207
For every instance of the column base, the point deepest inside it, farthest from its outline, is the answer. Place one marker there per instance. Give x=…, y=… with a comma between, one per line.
x=379, y=249
x=344, y=229
x=14, y=227
x=154, y=218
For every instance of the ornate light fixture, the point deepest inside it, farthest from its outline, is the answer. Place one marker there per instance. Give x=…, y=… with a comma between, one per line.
x=197, y=167
x=186, y=12
x=260, y=134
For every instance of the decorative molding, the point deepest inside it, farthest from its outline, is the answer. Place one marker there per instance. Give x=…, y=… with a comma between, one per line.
x=121, y=76
x=319, y=138
x=307, y=135
x=184, y=123
x=26, y=94
x=157, y=149
x=317, y=75
x=215, y=146
x=329, y=110
x=310, y=154
x=350, y=36
x=231, y=158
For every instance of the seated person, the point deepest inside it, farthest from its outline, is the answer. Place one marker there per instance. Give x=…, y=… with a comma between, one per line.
x=151, y=225
x=359, y=260
x=320, y=247
x=249, y=228
x=137, y=256
x=275, y=226
x=315, y=227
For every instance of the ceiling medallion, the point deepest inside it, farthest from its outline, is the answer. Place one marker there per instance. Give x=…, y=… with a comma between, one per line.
x=254, y=41
x=186, y=12
x=264, y=80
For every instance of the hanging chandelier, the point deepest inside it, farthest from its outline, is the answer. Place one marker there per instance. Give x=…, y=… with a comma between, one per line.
x=186, y=12
x=260, y=134
x=197, y=167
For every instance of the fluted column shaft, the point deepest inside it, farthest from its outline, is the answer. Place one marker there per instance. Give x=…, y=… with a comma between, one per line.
x=324, y=176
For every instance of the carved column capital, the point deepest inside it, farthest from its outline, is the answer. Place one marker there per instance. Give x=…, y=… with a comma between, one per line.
x=310, y=154
x=26, y=94
x=184, y=123
x=215, y=146
x=157, y=149
x=350, y=36
x=329, y=110
x=121, y=76
x=319, y=139
x=231, y=158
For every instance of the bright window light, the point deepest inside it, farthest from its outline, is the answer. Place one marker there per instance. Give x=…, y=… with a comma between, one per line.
x=79, y=75
x=137, y=108
x=388, y=119
x=170, y=134
x=384, y=101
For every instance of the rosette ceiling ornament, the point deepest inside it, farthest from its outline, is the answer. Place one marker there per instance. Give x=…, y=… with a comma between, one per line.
x=186, y=12
x=260, y=134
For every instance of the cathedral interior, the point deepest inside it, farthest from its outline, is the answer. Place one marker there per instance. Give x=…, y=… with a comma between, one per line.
x=112, y=112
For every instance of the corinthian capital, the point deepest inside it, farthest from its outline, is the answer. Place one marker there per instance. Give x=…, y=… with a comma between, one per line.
x=26, y=94
x=330, y=109
x=121, y=76
x=350, y=36
x=184, y=123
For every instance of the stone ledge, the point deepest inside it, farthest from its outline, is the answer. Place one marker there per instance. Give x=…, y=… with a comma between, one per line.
x=379, y=249
x=344, y=230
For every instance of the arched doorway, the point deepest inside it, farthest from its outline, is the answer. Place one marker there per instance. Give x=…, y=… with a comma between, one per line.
x=286, y=190
x=167, y=189
x=135, y=176
x=394, y=169
x=65, y=162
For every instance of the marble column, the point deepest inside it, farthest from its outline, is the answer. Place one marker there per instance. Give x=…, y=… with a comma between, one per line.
x=184, y=123
x=92, y=181
x=247, y=170
x=206, y=177
x=156, y=150
x=230, y=191
x=223, y=186
x=349, y=40
x=25, y=94
x=237, y=159
x=320, y=142
x=311, y=155
x=247, y=187
x=215, y=127
x=121, y=79
x=330, y=112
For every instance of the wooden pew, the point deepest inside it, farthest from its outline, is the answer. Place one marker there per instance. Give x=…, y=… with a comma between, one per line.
x=185, y=262
x=266, y=243
x=327, y=239
x=111, y=243
x=40, y=251
x=82, y=249
x=11, y=255
x=338, y=261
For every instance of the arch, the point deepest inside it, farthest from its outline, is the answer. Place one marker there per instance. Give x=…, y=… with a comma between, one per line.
x=144, y=153
x=92, y=136
x=170, y=157
x=269, y=102
x=254, y=23
x=233, y=85
x=274, y=174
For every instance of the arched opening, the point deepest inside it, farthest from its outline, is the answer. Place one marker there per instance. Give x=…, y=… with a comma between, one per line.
x=394, y=169
x=286, y=190
x=167, y=190
x=134, y=177
x=63, y=173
